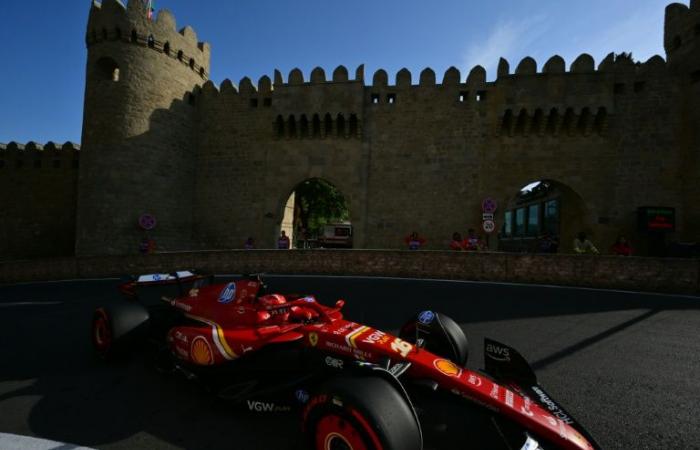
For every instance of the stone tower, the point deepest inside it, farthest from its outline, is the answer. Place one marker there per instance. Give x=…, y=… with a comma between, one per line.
x=139, y=123
x=682, y=45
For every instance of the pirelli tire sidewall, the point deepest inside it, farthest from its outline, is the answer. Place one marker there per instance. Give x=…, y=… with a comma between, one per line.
x=127, y=325
x=369, y=405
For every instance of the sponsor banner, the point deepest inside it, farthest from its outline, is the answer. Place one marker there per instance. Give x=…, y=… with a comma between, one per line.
x=228, y=293
x=447, y=367
x=426, y=317
x=360, y=354
x=201, y=352
x=553, y=408
x=334, y=362
x=302, y=396
x=497, y=352
x=258, y=406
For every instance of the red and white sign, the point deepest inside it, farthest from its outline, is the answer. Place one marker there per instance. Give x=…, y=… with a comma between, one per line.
x=489, y=206
x=147, y=222
x=489, y=226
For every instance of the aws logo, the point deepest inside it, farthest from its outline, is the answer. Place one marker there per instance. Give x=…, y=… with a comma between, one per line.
x=497, y=352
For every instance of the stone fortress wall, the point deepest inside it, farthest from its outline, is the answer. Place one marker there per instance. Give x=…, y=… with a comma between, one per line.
x=216, y=164
x=38, y=188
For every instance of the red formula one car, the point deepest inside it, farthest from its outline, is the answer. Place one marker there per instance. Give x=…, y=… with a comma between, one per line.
x=356, y=387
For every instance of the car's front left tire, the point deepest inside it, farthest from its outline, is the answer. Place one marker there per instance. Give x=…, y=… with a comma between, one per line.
x=360, y=413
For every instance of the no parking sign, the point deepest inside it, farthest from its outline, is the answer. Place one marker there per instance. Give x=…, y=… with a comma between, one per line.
x=489, y=206
x=147, y=221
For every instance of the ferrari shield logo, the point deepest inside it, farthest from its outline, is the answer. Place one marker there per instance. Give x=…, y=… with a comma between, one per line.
x=313, y=339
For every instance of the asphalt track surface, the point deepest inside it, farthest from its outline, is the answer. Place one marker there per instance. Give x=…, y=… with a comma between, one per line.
x=626, y=365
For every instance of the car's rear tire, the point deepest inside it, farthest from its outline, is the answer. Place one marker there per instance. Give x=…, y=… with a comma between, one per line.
x=441, y=335
x=360, y=413
x=115, y=329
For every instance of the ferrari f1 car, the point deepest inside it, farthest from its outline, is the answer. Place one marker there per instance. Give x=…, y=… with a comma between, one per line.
x=354, y=387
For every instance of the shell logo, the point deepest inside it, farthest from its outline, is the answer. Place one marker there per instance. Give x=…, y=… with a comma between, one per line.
x=201, y=352
x=447, y=367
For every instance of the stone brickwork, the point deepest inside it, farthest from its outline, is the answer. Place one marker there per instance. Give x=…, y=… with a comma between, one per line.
x=607, y=272
x=38, y=189
x=216, y=164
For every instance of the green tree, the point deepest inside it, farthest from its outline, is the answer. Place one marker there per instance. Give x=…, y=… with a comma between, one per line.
x=318, y=203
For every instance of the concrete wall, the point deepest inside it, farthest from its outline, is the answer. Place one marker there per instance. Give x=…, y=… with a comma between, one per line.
x=638, y=274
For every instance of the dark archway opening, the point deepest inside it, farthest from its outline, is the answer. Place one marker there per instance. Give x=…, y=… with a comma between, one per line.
x=107, y=69
x=317, y=214
x=543, y=217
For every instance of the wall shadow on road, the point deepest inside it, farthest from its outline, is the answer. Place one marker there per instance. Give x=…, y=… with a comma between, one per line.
x=387, y=303
x=72, y=397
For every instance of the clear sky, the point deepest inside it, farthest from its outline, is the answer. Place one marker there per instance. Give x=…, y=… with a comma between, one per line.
x=43, y=51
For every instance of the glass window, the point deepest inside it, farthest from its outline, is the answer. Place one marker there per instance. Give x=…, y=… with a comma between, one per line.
x=508, y=223
x=520, y=221
x=551, y=216
x=533, y=220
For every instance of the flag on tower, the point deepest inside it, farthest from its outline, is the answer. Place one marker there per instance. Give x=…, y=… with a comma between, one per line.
x=151, y=9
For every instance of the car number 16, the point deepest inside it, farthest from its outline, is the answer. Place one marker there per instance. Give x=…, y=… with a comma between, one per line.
x=402, y=347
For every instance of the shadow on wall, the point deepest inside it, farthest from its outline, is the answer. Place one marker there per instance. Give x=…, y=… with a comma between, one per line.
x=152, y=173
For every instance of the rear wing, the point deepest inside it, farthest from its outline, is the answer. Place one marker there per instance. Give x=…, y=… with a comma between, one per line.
x=507, y=366
x=149, y=288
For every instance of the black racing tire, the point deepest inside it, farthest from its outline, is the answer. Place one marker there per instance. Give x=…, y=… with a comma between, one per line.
x=116, y=329
x=442, y=336
x=360, y=412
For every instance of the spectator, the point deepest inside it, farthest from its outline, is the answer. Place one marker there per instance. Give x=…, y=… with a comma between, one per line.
x=582, y=245
x=147, y=246
x=472, y=243
x=414, y=241
x=249, y=244
x=143, y=246
x=549, y=243
x=621, y=247
x=283, y=241
x=456, y=243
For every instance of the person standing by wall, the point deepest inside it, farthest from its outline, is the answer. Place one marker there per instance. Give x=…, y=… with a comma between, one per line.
x=621, y=247
x=472, y=243
x=414, y=241
x=456, y=244
x=283, y=241
x=548, y=243
x=583, y=246
x=249, y=244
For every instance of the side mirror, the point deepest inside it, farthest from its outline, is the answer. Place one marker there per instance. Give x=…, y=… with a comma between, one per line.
x=339, y=304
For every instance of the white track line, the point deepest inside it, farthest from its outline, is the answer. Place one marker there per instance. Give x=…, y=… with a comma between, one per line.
x=13, y=304
x=71, y=280
x=16, y=442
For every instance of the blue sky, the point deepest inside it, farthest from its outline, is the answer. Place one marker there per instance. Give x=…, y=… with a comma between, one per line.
x=43, y=51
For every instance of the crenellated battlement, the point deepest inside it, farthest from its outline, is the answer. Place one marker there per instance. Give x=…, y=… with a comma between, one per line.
x=529, y=102
x=37, y=156
x=584, y=64
x=111, y=21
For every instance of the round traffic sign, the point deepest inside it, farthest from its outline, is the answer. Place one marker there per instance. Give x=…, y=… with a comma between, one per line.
x=489, y=226
x=489, y=205
x=147, y=221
